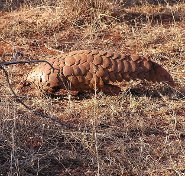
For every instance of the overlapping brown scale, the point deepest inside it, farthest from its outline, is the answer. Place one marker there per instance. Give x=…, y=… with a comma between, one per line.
x=101, y=83
x=100, y=71
x=86, y=65
x=112, y=76
x=126, y=66
x=76, y=70
x=69, y=60
x=93, y=68
x=46, y=68
x=77, y=59
x=89, y=76
x=114, y=66
x=73, y=80
x=83, y=69
x=140, y=67
x=87, y=82
x=133, y=66
x=95, y=81
x=120, y=65
x=53, y=79
x=67, y=70
x=92, y=83
x=106, y=62
x=97, y=60
x=105, y=77
x=90, y=58
x=83, y=58
x=56, y=64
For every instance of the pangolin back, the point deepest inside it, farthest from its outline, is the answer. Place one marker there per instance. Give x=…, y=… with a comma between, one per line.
x=87, y=69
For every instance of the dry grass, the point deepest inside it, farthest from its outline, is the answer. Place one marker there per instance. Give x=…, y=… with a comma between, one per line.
x=139, y=132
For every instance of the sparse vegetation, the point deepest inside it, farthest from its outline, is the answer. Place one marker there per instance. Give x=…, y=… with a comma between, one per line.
x=139, y=132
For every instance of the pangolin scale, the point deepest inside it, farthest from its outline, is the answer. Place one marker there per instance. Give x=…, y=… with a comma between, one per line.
x=89, y=69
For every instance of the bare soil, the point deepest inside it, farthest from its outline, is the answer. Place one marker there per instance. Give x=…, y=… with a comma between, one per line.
x=141, y=131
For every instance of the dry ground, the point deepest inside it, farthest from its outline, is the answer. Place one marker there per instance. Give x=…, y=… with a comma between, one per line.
x=139, y=132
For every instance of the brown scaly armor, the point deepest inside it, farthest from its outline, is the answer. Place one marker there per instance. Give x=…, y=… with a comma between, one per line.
x=89, y=69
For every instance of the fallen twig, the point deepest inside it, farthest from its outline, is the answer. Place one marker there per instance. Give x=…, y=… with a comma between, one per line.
x=25, y=62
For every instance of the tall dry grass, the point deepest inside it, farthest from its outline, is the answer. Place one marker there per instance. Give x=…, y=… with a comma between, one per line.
x=139, y=132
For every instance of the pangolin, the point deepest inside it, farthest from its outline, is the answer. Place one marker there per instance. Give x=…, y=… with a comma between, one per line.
x=89, y=69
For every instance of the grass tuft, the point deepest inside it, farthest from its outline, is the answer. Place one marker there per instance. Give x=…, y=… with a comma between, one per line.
x=139, y=132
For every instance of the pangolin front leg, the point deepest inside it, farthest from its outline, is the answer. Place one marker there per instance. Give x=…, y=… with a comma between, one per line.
x=88, y=70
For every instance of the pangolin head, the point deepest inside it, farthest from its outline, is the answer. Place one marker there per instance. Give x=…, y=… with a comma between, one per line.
x=32, y=77
x=26, y=82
